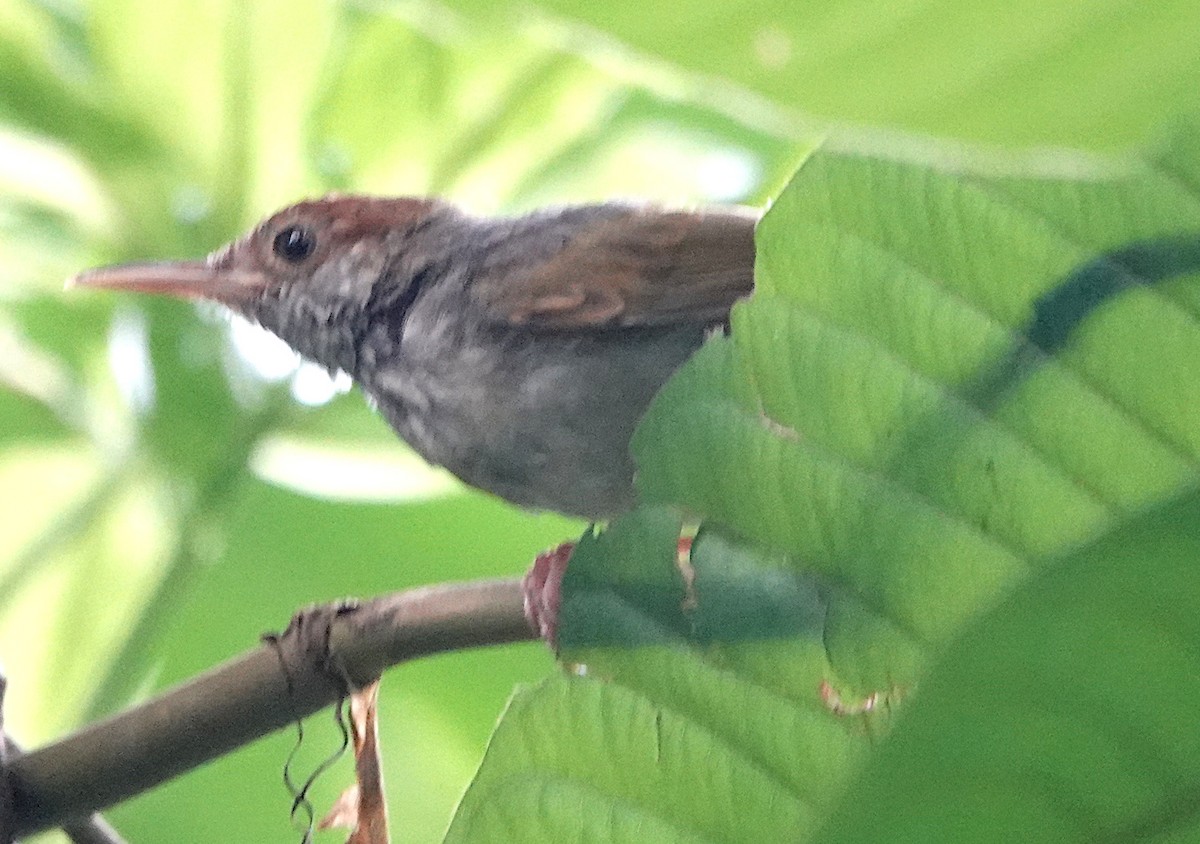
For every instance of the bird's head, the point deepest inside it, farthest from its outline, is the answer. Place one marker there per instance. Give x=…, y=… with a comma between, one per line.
x=307, y=273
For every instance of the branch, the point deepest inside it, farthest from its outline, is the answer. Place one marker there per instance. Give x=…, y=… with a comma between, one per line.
x=92, y=829
x=287, y=678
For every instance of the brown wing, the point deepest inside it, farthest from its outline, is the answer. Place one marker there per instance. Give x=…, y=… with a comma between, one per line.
x=631, y=267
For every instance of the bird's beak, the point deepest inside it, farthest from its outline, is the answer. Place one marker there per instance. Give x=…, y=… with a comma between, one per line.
x=184, y=279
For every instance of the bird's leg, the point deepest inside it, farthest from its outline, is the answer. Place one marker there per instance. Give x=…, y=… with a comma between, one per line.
x=542, y=587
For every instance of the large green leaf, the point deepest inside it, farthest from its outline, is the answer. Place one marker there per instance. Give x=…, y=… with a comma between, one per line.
x=942, y=381
x=1067, y=714
x=667, y=730
x=1093, y=73
x=943, y=377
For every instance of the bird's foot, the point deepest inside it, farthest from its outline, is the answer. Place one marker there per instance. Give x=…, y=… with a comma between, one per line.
x=542, y=589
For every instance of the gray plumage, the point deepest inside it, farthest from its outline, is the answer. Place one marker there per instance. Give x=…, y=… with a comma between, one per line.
x=519, y=353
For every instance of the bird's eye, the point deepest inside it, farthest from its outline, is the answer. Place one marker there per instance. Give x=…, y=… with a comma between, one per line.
x=294, y=244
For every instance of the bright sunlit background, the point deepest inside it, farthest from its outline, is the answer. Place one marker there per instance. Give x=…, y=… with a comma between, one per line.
x=172, y=483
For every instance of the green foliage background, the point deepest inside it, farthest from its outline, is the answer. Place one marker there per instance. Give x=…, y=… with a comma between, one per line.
x=148, y=536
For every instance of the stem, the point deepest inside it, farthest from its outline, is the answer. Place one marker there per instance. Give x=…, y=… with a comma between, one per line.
x=93, y=829
x=288, y=677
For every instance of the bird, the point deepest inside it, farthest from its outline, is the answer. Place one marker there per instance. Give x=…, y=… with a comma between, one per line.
x=517, y=352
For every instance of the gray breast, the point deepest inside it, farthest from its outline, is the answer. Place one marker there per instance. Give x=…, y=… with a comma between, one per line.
x=541, y=420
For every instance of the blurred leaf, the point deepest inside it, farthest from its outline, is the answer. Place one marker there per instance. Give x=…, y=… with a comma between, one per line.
x=681, y=148
x=69, y=526
x=25, y=417
x=227, y=92
x=483, y=101
x=1097, y=74
x=74, y=336
x=49, y=89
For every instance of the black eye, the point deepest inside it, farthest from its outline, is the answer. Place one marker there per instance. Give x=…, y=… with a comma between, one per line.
x=295, y=243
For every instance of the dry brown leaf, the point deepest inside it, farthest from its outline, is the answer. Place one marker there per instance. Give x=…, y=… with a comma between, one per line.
x=362, y=805
x=344, y=812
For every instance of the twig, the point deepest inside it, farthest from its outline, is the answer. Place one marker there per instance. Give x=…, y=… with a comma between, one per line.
x=93, y=829
x=290, y=676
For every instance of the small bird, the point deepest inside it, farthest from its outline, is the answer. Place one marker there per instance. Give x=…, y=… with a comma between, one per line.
x=519, y=352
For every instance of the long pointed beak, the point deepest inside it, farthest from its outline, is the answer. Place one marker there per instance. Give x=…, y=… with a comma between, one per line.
x=183, y=279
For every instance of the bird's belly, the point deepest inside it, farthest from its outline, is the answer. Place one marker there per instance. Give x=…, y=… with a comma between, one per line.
x=551, y=432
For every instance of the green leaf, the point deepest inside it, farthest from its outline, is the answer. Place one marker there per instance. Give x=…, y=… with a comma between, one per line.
x=1098, y=74
x=631, y=776
x=490, y=96
x=684, y=723
x=942, y=382
x=1065, y=714
x=920, y=406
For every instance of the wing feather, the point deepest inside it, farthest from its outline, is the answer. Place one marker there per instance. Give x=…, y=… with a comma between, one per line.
x=625, y=267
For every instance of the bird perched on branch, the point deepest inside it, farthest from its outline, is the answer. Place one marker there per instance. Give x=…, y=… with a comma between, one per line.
x=519, y=353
